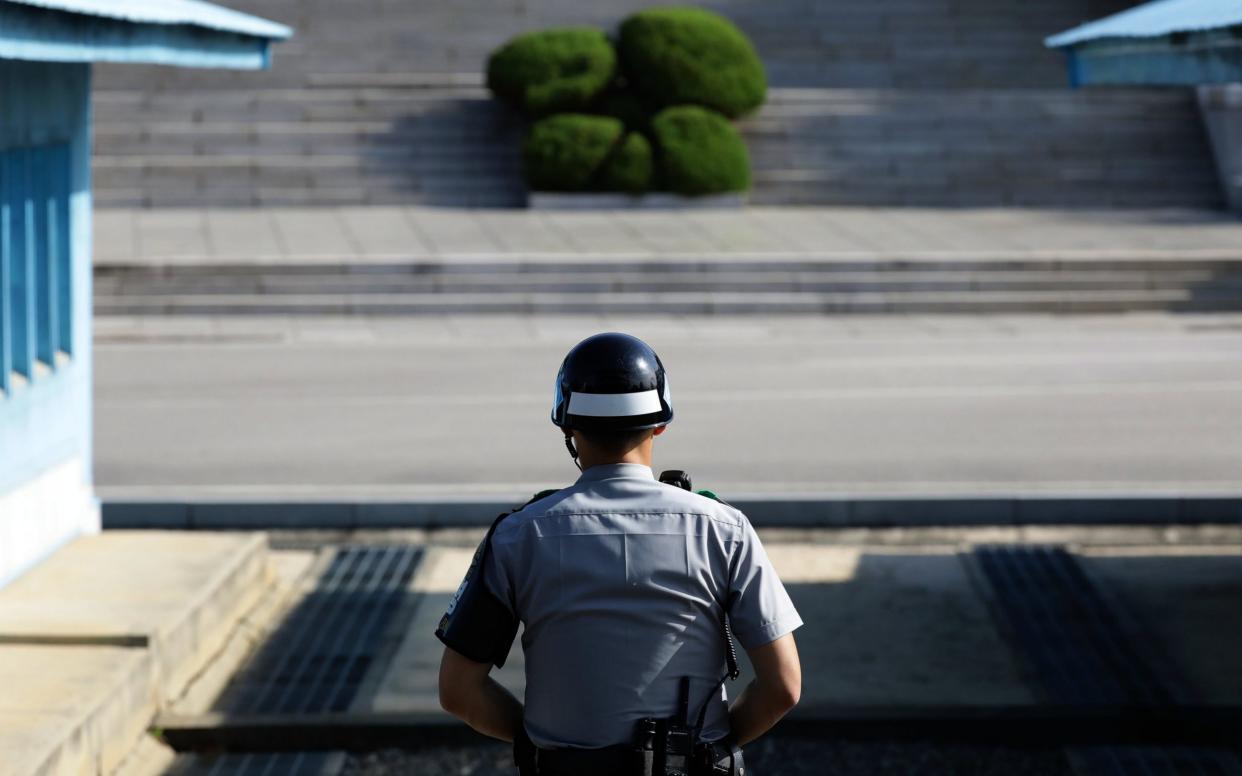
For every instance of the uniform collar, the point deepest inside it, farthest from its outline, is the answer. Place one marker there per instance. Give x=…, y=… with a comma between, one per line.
x=612, y=471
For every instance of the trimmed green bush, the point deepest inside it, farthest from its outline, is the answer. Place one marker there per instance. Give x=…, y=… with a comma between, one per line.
x=699, y=152
x=553, y=71
x=689, y=56
x=629, y=167
x=565, y=152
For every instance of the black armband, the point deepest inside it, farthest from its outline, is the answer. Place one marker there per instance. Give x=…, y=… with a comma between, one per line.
x=477, y=623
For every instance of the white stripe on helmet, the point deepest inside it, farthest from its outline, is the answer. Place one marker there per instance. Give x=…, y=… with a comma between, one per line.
x=614, y=405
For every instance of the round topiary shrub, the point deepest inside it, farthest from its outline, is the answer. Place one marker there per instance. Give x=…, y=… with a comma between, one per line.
x=629, y=167
x=699, y=152
x=553, y=71
x=689, y=56
x=565, y=152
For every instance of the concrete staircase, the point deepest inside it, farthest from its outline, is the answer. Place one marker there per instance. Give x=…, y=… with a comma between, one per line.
x=891, y=102
x=687, y=286
x=108, y=631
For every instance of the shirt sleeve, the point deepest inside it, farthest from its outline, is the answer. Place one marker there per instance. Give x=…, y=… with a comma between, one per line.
x=480, y=622
x=760, y=610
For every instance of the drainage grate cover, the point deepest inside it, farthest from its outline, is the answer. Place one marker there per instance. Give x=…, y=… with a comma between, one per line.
x=1082, y=646
x=282, y=764
x=1153, y=761
x=318, y=657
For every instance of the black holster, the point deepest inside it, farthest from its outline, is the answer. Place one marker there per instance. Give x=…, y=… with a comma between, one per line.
x=665, y=748
x=719, y=758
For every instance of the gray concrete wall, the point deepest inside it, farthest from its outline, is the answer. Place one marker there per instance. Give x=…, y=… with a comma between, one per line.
x=1221, y=107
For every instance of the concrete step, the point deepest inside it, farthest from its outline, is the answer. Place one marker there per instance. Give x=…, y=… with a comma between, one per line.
x=107, y=631
x=174, y=594
x=400, y=143
x=678, y=303
x=375, y=78
x=384, y=90
x=223, y=283
x=73, y=710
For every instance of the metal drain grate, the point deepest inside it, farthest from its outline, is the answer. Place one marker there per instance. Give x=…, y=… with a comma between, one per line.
x=1154, y=761
x=317, y=658
x=1080, y=645
x=282, y=764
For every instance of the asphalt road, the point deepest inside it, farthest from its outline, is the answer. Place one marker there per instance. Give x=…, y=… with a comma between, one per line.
x=411, y=407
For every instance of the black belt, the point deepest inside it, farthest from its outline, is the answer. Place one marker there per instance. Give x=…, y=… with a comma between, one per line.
x=617, y=761
x=608, y=761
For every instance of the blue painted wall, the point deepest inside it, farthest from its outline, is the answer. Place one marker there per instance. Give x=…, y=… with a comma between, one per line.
x=45, y=417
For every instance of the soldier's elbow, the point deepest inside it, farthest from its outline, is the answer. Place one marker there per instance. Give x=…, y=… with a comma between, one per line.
x=783, y=696
x=450, y=702
x=454, y=696
x=790, y=694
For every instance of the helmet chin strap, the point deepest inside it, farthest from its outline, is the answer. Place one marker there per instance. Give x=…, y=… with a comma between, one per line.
x=573, y=451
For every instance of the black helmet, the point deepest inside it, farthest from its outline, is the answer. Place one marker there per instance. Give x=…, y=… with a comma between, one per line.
x=611, y=382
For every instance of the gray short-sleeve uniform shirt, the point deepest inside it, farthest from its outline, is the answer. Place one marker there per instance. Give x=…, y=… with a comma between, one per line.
x=619, y=581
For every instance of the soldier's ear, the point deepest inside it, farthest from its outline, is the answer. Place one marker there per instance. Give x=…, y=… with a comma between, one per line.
x=658, y=430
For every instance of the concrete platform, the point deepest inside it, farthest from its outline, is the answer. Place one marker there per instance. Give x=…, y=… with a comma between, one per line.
x=72, y=709
x=110, y=629
x=1190, y=599
x=894, y=628
x=177, y=594
x=181, y=237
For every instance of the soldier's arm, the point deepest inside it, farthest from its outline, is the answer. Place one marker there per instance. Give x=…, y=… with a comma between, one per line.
x=468, y=692
x=775, y=690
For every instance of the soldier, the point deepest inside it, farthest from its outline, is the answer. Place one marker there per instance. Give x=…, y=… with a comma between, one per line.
x=627, y=588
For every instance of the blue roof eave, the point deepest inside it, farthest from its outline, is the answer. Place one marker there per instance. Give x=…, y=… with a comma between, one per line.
x=195, y=13
x=1201, y=58
x=31, y=33
x=1154, y=20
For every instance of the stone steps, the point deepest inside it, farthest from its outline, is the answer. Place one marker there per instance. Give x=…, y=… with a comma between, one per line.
x=678, y=287
x=569, y=282
x=955, y=101
x=112, y=628
x=677, y=304
x=414, y=141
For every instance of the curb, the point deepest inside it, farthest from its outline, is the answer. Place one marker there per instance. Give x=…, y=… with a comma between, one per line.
x=788, y=512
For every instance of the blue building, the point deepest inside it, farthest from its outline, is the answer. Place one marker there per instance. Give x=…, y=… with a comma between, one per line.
x=46, y=51
x=1161, y=43
x=1174, y=43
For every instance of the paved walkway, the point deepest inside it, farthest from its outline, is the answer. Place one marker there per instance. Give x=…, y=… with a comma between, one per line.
x=380, y=234
x=353, y=409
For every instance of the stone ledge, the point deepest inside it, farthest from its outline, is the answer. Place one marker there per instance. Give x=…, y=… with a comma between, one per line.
x=72, y=709
x=177, y=594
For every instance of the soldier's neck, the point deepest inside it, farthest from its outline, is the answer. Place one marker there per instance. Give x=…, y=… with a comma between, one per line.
x=640, y=454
